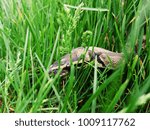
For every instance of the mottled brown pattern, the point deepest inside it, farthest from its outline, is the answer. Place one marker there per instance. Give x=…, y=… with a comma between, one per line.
x=79, y=55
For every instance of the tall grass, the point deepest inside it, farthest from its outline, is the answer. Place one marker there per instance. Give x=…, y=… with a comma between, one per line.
x=35, y=33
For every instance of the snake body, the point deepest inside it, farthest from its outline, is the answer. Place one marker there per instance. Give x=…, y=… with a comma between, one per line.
x=84, y=55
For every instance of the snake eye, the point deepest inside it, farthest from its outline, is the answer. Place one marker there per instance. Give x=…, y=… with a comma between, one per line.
x=55, y=71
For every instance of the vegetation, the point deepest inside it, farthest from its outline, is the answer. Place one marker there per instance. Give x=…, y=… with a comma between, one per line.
x=35, y=33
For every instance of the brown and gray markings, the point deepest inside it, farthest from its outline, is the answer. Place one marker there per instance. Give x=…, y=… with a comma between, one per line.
x=80, y=55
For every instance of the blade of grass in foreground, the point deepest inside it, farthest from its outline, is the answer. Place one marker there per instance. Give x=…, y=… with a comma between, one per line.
x=114, y=76
x=46, y=86
x=117, y=96
x=23, y=74
x=122, y=87
x=139, y=98
x=69, y=90
x=94, y=86
x=44, y=91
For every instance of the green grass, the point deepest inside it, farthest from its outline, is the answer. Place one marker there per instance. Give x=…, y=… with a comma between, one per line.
x=35, y=33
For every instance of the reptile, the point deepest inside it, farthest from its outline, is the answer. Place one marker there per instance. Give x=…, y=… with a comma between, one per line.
x=105, y=58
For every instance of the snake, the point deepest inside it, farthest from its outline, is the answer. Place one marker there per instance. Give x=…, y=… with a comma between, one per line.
x=104, y=58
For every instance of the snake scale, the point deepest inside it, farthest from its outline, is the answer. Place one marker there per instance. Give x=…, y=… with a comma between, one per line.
x=84, y=55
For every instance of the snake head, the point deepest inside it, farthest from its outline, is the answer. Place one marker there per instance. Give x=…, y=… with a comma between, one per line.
x=64, y=65
x=63, y=72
